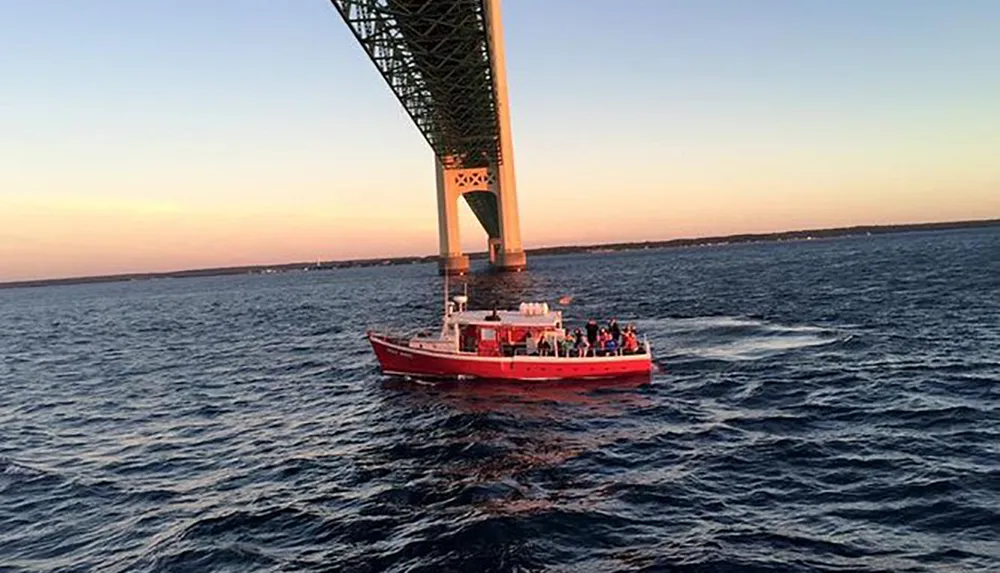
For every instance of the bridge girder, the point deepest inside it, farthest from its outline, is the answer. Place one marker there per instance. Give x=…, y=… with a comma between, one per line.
x=435, y=57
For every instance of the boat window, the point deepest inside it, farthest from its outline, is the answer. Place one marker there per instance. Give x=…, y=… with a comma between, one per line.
x=489, y=334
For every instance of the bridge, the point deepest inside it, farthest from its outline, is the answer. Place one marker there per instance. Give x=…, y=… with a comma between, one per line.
x=444, y=61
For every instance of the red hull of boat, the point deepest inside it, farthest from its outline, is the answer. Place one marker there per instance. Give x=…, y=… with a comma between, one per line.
x=400, y=360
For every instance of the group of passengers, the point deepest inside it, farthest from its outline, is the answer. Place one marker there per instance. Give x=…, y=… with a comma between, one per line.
x=596, y=341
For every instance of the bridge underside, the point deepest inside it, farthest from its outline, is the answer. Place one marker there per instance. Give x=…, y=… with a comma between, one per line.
x=435, y=55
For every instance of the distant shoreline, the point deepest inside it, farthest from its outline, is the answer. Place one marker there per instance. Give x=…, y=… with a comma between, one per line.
x=542, y=251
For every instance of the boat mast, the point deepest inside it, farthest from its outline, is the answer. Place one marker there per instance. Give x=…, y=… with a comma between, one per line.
x=446, y=294
x=444, y=316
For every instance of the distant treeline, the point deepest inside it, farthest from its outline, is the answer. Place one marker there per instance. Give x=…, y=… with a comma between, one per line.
x=766, y=237
x=701, y=241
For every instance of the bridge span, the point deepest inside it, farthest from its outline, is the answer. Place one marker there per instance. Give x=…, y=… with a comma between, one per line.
x=444, y=61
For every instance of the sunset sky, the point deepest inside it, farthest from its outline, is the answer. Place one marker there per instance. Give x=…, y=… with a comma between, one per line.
x=143, y=136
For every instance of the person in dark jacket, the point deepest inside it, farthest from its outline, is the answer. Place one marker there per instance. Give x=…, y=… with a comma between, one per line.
x=592, y=329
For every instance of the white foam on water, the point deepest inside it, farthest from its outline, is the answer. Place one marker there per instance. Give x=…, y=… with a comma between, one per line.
x=9, y=467
x=732, y=338
x=755, y=348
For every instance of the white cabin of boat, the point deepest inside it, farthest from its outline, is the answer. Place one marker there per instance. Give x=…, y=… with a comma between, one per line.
x=494, y=332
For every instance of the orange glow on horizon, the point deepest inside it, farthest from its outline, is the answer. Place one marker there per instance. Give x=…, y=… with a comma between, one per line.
x=66, y=236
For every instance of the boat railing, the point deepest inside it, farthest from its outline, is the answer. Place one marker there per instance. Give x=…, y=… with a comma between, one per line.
x=404, y=335
x=521, y=351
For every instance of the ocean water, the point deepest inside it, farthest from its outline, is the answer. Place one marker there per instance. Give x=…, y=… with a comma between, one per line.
x=829, y=405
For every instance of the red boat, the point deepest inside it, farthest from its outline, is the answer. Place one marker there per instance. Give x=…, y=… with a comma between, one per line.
x=528, y=344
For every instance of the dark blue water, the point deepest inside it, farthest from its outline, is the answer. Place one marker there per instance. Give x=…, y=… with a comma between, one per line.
x=824, y=406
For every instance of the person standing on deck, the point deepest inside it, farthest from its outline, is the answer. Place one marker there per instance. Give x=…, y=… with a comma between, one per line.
x=581, y=343
x=592, y=329
x=616, y=331
x=566, y=344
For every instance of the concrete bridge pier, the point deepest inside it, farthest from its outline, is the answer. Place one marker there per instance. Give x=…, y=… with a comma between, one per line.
x=504, y=236
x=452, y=261
x=509, y=254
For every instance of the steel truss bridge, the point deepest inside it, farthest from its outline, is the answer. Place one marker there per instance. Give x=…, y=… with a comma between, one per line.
x=444, y=61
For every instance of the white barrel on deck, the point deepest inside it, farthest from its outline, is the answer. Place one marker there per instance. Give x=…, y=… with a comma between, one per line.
x=534, y=308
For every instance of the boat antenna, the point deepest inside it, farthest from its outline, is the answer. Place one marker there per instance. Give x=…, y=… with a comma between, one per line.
x=446, y=292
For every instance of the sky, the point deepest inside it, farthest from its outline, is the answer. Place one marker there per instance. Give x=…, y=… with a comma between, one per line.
x=151, y=136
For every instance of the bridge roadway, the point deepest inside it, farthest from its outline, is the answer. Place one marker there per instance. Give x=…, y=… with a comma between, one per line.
x=443, y=59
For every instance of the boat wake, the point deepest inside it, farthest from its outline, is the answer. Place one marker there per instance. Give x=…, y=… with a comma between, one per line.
x=732, y=339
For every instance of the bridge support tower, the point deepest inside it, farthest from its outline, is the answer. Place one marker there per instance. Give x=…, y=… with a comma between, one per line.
x=505, y=250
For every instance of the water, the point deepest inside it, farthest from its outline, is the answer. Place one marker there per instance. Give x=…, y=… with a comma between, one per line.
x=822, y=406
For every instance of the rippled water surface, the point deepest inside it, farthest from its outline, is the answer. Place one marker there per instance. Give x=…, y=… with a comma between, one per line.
x=821, y=406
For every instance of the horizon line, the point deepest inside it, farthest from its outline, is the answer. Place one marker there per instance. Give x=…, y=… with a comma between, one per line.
x=829, y=232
